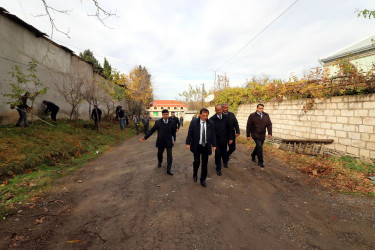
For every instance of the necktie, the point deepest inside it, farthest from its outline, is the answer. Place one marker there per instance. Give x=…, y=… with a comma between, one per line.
x=203, y=135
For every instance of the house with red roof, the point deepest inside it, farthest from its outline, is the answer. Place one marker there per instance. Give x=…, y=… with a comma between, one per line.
x=157, y=106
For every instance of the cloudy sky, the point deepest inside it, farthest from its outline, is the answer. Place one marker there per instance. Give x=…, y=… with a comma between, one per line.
x=184, y=42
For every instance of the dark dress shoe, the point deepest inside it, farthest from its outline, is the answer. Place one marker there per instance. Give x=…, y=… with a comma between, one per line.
x=159, y=165
x=170, y=172
x=226, y=165
x=261, y=165
x=203, y=183
x=253, y=159
x=195, y=178
x=218, y=173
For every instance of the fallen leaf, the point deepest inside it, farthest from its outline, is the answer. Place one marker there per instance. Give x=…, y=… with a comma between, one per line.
x=38, y=221
x=153, y=201
x=247, y=209
x=73, y=241
x=28, y=171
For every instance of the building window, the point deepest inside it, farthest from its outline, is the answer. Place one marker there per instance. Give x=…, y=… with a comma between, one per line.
x=175, y=108
x=182, y=108
x=155, y=107
x=162, y=107
x=169, y=108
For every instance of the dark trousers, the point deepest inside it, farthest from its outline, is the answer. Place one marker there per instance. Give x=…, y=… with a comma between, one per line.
x=137, y=128
x=258, y=150
x=221, y=154
x=23, y=117
x=53, y=114
x=169, y=157
x=145, y=128
x=201, y=151
x=232, y=147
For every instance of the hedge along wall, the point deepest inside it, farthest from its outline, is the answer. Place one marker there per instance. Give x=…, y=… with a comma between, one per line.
x=348, y=120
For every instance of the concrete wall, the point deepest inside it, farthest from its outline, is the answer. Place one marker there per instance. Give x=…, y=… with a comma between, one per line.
x=349, y=120
x=57, y=65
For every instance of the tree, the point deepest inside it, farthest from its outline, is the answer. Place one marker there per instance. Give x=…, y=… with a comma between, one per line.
x=94, y=93
x=139, y=89
x=88, y=55
x=26, y=82
x=107, y=69
x=72, y=89
x=193, y=97
x=114, y=89
x=366, y=13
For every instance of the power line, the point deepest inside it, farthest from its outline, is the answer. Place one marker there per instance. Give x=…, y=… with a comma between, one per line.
x=255, y=37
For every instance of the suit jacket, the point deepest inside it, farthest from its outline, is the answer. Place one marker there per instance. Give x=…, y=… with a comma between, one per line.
x=256, y=126
x=234, y=122
x=165, y=133
x=194, y=133
x=176, y=121
x=224, y=129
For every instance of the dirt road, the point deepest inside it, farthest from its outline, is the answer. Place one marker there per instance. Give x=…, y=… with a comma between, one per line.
x=122, y=200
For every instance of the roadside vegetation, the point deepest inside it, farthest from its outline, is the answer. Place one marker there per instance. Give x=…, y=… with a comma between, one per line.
x=344, y=174
x=32, y=158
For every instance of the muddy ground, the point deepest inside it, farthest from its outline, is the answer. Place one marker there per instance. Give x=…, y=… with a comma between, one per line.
x=122, y=200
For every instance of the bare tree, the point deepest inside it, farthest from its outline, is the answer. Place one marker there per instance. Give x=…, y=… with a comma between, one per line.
x=72, y=89
x=95, y=94
x=101, y=14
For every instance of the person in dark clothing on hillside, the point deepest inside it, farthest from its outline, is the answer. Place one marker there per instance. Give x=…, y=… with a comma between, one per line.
x=224, y=135
x=145, y=123
x=121, y=116
x=166, y=138
x=234, y=123
x=126, y=118
x=256, y=129
x=53, y=108
x=96, y=114
x=22, y=110
x=117, y=111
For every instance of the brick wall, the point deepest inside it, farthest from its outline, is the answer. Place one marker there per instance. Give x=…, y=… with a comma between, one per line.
x=349, y=120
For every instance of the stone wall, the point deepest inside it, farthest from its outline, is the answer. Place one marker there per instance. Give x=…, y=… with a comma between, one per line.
x=348, y=120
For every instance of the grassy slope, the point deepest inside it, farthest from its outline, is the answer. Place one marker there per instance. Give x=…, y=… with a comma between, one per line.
x=31, y=158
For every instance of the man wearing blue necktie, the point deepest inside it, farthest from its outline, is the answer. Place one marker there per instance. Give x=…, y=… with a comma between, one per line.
x=166, y=137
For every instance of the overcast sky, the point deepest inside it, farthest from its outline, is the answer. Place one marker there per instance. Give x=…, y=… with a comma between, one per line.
x=186, y=41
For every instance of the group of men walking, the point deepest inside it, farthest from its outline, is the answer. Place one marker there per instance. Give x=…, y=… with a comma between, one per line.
x=216, y=134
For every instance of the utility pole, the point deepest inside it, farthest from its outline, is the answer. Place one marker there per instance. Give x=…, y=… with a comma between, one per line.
x=202, y=93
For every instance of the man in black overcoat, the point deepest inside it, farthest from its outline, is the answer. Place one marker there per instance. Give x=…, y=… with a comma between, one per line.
x=166, y=138
x=175, y=120
x=224, y=135
x=201, y=140
x=235, y=131
x=257, y=124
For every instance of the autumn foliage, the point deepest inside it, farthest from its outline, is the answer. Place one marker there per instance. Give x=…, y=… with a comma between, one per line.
x=317, y=84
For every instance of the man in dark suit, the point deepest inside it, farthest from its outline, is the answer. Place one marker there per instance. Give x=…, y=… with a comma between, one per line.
x=236, y=131
x=175, y=120
x=256, y=129
x=201, y=140
x=224, y=135
x=166, y=138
